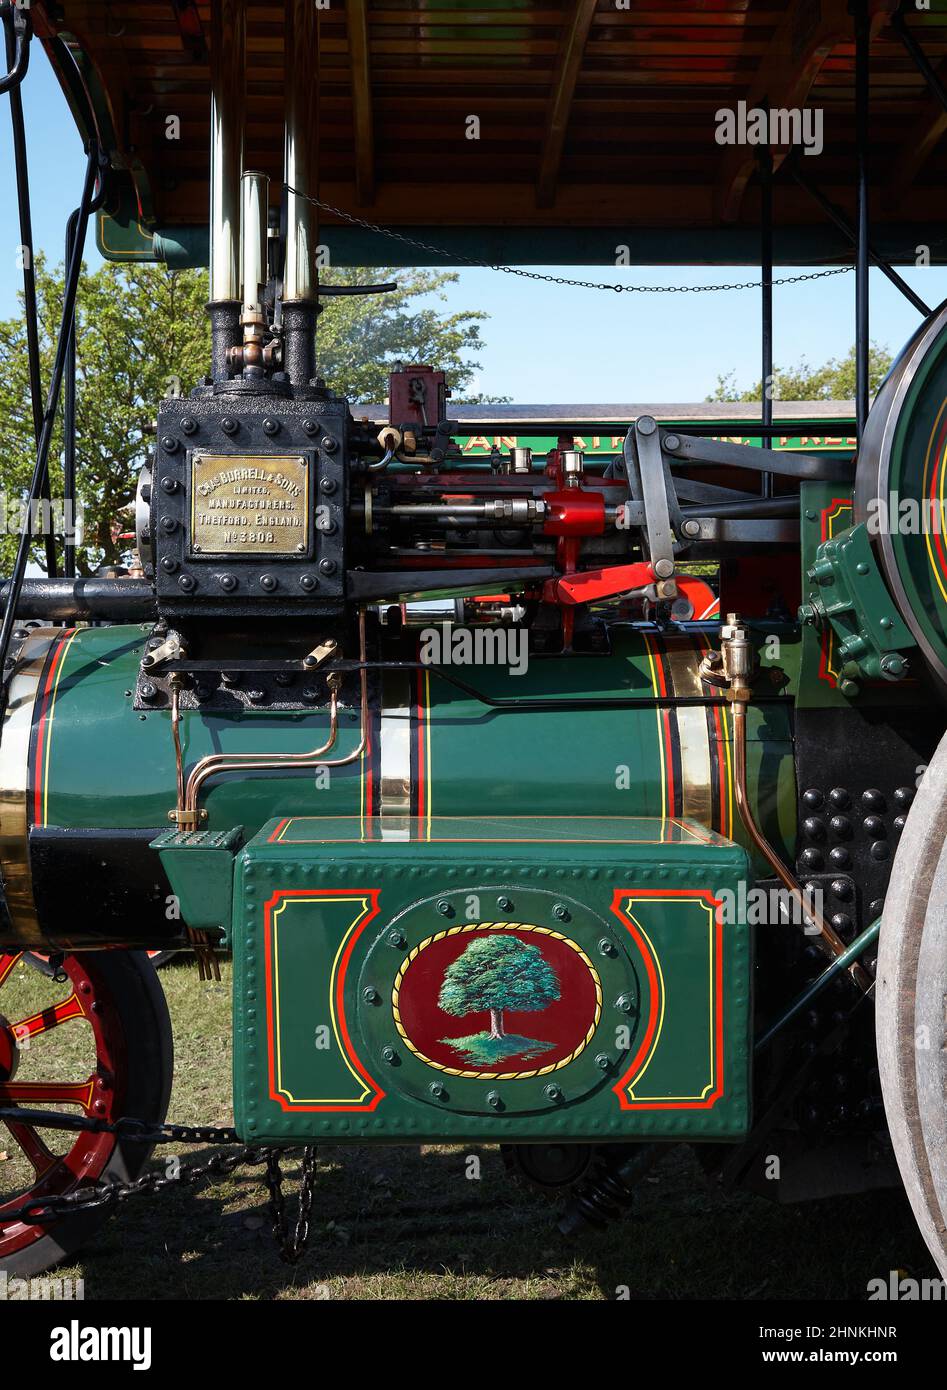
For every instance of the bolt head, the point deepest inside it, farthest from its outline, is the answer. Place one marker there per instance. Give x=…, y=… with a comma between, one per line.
x=561, y=912
x=445, y=908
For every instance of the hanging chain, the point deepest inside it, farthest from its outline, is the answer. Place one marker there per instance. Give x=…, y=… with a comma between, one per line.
x=41, y=1211
x=290, y=1246
x=457, y=257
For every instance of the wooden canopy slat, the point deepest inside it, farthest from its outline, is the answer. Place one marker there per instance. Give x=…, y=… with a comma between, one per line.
x=590, y=116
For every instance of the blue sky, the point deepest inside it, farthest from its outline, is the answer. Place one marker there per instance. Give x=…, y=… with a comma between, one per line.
x=542, y=343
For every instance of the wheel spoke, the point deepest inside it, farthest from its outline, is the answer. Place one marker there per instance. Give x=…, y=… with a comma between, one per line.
x=45, y=1019
x=42, y=1158
x=7, y=961
x=48, y=1093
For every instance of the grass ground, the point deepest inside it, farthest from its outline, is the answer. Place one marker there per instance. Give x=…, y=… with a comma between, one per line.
x=403, y=1223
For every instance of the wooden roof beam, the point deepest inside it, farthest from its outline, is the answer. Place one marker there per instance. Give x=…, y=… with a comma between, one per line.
x=568, y=67
x=363, y=118
x=784, y=78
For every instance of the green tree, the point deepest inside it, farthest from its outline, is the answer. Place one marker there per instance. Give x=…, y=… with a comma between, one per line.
x=833, y=381
x=498, y=973
x=143, y=334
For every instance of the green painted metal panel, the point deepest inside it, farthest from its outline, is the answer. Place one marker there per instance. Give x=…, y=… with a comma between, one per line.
x=508, y=978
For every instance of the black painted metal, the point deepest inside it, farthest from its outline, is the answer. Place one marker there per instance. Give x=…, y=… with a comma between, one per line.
x=835, y=215
x=41, y=468
x=859, y=9
x=84, y=600
x=766, y=298
x=26, y=250
x=299, y=343
x=919, y=58
x=224, y=335
x=18, y=24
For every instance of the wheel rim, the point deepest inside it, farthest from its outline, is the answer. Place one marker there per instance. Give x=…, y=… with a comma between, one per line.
x=911, y=1024
x=44, y=1063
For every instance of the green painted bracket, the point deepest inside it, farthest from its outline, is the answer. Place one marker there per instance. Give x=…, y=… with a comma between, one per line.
x=849, y=595
x=199, y=865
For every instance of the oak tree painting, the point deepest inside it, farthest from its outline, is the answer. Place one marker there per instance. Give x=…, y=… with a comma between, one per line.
x=496, y=975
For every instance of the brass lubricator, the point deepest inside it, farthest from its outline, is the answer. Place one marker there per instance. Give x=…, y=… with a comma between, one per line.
x=732, y=670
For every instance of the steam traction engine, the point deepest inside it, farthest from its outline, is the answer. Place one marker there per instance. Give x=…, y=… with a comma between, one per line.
x=510, y=901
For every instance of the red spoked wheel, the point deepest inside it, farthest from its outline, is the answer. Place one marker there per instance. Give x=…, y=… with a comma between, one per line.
x=96, y=1044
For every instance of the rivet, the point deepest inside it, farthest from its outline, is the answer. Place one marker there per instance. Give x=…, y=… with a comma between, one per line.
x=187, y=583
x=168, y=525
x=327, y=566
x=228, y=583
x=169, y=484
x=310, y=427
x=169, y=444
x=268, y=582
x=328, y=486
x=229, y=425
x=329, y=444
x=168, y=564
x=270, y=426
x=308, y=582
x=189, y=424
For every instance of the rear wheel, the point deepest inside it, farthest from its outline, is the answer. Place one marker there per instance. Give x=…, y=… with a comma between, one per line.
x=98, y=1044
x=911, y=1006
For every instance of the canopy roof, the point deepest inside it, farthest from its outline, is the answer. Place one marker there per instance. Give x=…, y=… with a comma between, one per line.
x=597, y=122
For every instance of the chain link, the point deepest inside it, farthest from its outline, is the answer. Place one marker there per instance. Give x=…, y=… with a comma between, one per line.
x=41, y=1211
x=457, y=257
x=290, y=1246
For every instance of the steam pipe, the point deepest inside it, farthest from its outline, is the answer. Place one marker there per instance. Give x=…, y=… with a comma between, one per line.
x=85, y=600
x=300, y=173
x=227, y=123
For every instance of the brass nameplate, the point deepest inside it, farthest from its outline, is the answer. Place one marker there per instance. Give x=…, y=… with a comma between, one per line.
x=249, y=504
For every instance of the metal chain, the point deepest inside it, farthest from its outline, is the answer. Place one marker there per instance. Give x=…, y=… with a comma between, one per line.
x=457, y=257
x=40, y=1211
x=290, y=1246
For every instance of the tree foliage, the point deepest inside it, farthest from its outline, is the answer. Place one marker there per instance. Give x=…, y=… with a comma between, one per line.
x=143, y=334
x=833, y=381
x=498, y=972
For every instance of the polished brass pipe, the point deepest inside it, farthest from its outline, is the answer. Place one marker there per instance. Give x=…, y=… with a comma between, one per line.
x=827, y=940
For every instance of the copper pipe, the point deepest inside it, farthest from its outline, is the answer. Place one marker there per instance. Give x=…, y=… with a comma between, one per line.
x=274, y=762
x=828, y=941
x=176, y=736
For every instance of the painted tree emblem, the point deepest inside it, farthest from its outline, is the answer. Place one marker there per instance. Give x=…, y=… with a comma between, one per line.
x=498, y=974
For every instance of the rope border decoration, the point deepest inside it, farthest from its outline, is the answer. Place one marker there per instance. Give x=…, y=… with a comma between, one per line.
x=495, y=926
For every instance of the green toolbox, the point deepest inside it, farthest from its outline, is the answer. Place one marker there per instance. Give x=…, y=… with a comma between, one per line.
x=496, y=980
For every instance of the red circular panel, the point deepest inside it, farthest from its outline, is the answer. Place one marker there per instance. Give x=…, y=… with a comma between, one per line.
x=494, y=1002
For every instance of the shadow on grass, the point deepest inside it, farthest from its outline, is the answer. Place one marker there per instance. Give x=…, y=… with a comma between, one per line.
x=402, y=1223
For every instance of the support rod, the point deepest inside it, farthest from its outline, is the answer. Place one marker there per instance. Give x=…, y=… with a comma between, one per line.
x=919, y=58
x=862, y=38
x=835, y=215
x=301, y=183
x=26, y=252
x=41, y=468
x=766, y=302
